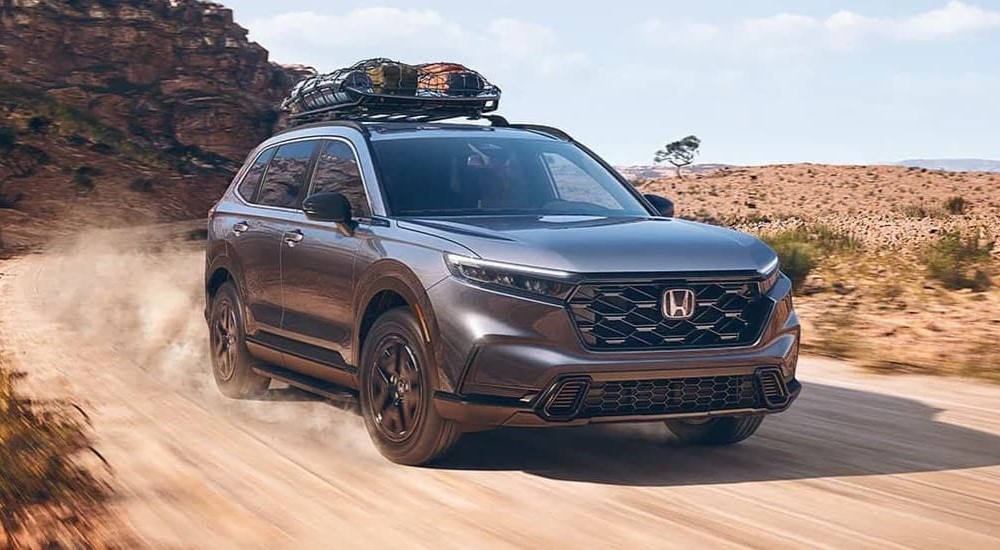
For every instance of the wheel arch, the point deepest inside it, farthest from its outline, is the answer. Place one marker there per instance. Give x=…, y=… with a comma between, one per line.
x=389, y=284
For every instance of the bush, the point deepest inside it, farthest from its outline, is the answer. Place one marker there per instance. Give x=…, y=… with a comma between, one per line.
x=141, y=185
x=83, y=177
x=8, y=137
x=39, y=124
x=800, y=248
x=39, y=447
x=959, y=260
x=956, y=205
x=797, y=261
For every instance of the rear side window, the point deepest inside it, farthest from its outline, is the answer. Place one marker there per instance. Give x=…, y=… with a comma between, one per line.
x=286, y=175
x=251, y=181
x=337, y=171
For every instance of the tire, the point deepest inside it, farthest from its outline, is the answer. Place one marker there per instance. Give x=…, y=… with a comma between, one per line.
x=725, y=430
x=396, y=390
x=232, y=364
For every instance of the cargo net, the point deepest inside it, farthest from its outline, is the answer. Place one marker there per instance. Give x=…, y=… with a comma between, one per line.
x=386, y=89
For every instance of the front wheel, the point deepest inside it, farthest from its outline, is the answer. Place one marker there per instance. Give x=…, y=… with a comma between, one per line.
x=724, y=430
x=397, y=391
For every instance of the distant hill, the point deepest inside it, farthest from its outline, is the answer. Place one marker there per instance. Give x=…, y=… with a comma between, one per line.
x=954, y=165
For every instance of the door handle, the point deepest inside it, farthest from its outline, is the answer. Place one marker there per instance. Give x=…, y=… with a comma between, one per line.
x=293, y=238
x=241, y=227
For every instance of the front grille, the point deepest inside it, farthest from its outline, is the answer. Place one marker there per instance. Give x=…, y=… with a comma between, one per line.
x=670, y=396
x=628, y=316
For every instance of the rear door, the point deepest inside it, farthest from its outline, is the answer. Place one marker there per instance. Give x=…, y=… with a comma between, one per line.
x=318, y=260
x=255, y=242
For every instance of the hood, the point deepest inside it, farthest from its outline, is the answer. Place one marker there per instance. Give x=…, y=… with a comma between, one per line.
x=585, y=244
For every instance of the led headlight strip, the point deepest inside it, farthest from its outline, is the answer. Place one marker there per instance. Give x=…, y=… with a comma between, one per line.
x=551, y=283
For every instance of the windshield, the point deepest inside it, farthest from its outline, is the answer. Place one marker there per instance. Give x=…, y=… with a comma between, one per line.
x=488, y=175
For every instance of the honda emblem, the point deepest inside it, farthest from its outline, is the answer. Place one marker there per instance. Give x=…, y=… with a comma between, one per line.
x=678, y=304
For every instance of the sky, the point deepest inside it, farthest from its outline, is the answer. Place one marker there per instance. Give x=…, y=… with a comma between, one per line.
x=760, y=82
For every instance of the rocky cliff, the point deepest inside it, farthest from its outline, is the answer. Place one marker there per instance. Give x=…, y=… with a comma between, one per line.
x=163, y=70
x=106, y=102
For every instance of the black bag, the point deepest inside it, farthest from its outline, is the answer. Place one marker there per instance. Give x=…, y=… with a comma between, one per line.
x=448, y=79
x=326, y=90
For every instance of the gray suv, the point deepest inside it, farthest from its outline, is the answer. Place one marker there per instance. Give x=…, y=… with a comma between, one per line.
x=461, y=277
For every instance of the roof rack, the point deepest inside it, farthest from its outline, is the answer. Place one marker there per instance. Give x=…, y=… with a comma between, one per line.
x=372, y=107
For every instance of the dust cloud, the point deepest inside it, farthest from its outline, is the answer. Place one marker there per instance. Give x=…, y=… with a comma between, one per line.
x=137, y=299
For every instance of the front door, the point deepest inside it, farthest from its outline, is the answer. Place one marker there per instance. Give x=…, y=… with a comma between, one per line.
x=318, y=260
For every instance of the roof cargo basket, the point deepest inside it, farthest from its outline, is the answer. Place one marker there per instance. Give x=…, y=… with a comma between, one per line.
x=386, y=90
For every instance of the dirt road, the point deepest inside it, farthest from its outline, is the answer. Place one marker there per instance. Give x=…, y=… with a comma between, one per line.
x=859, y=461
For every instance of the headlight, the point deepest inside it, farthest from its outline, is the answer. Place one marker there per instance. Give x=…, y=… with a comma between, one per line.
x=535, y=281
x=771, y=274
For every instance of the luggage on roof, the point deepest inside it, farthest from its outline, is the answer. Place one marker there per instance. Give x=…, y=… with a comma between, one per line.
x=388, y=76
x=384, y=89
x=448, y=79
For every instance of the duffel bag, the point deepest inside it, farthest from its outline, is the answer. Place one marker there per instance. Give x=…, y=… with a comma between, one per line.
x=448, y=79
x=389, y=77
x=325, y=90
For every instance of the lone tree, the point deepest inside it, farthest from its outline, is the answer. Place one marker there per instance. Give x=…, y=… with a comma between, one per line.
x=680, y=153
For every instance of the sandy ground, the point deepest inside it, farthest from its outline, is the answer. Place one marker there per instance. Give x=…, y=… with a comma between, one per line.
x=859, y=461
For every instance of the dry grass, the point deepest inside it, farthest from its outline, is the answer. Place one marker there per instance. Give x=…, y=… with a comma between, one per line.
x=895, y=268
x=49, y=494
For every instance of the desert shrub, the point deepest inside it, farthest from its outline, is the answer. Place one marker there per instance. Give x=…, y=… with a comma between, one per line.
x=800, y=248
x=40, y=447
x=39, y=124
x=959, y=260
x=10, y=201
x=956, y=205
x=141, y=185
x=83, y=177
x=798, y=257
x=8, y=137
x=102, y=148
x=920, y=211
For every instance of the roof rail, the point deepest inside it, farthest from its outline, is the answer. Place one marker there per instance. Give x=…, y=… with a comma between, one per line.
x=554, y=132
x=344, y=123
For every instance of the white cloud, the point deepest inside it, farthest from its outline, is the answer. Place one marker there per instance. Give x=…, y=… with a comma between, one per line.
x=840, y=31
x=328, y=41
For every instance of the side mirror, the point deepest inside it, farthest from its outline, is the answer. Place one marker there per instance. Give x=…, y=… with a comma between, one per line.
x=662, y=205
x=330, y=207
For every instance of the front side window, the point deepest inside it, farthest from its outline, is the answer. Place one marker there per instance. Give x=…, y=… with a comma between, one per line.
x=251, y=180
x=337, y=171
x=286, y=174
x=489, y=175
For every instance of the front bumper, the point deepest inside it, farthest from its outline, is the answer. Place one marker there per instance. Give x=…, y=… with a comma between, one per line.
x=502, y=357
x=492, y=411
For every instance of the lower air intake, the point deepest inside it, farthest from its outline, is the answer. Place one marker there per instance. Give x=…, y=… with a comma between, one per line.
x=565, y=400
x=773, y=388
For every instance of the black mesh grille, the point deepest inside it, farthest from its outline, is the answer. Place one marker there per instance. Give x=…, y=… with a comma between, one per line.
x=628, y=316
x=671, y=396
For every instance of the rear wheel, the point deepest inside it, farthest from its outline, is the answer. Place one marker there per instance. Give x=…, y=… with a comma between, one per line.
x=232, y=363
x=397, y=391
x=724, y=430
